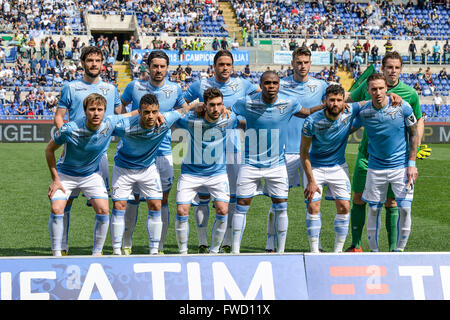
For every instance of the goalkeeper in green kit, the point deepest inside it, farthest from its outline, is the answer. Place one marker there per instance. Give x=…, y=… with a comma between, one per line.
x=391, y=67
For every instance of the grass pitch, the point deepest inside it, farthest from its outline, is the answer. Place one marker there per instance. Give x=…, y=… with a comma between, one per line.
x=25, y=208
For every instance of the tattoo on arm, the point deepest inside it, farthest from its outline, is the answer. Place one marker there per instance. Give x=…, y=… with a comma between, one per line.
x=413, y=141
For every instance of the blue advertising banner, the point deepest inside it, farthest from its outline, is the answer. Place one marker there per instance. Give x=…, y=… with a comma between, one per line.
x=177, y=277
x=378, y=276
x=195, y=58
x=318, y=58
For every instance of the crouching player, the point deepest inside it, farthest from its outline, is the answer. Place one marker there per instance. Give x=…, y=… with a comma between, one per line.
x=204, y=168
x=135, y=167
x=86, y=140
x=393, y=143
x=322, y=151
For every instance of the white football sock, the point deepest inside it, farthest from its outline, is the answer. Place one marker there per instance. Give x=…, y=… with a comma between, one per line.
x=238, y=226
x=373, y=226
x=270, y=239
x=154, y=228
x=218, y=231
x=56, y=230
x=313, y=226
x=65, y=239
x=404, y=227
x=182, y=233
x=341, y=222
x=131, y=215
x=165, y=218
x=201, y=214
x=281, y=224
x=229, y=232
x=100, y=232
x=117, y=228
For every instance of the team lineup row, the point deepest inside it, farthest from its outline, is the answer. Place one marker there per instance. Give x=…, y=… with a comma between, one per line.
x=280, y=147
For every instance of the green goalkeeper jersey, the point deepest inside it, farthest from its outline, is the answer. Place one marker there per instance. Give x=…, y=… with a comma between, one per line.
x=407, y=93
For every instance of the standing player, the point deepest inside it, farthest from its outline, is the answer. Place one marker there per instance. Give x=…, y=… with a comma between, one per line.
x=85, y=141
x=391, y=67
x=393, y=143
x=267, y=114
x=170, y=97
x=71, y=101
x=135, y=166
x=324, y=139
x=203, y=169
x=310, y=92
x=232, y=90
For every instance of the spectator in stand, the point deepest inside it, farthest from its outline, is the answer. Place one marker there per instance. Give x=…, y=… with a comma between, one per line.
x=412, y=49
x=374, y=53
x=17, y=94
x=224, y=43
x=418, y=88
x=366, y=50
x=424, y=51
x=247, y=73
x=437, y=101
x=346, y=58
x=436, y=52
x=443, y=74
x=446, y=51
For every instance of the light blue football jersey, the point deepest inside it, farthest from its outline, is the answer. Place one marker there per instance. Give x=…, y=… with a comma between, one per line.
x=266, y=128
x=84, y=148
x=74, y=93
x=232, y=90
x=311, y=93
x=138, y=147
x=206, y=147
x=169, y=95
x=387, y=132
x=329, y=137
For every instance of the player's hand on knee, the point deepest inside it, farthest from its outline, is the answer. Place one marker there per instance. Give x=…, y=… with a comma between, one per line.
x=396, y=99
x=55, y=186
x=423, y=152
x=310, y=189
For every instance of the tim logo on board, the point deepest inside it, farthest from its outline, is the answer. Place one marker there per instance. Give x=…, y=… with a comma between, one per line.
x=392, y=276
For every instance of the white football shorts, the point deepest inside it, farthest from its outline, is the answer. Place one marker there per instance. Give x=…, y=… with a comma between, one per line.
x=92, y=186
x=377, y=183
x=146, y=180
x=294, y=169
x=336, y=178
x=275, y=182
x=103, y=170
x=189, y=185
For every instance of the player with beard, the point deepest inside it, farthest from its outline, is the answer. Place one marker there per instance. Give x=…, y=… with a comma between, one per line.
x=71, y=101
x=232, y=90
x=322, y=151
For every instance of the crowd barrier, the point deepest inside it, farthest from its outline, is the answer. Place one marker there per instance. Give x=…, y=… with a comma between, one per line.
x=290, y=276
x=42, y=131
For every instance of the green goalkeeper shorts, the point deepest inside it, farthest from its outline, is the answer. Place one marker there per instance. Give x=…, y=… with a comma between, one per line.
x=360, y=174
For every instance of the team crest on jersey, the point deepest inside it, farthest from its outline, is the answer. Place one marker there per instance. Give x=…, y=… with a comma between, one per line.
x=393, y=113
x=167, y=91
x=104, y=90
x=234, y=86
x=312, y=87
x=282, y=107
x=104, y=131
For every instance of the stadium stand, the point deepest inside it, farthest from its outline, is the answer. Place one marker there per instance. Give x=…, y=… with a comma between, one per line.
x=58, y=30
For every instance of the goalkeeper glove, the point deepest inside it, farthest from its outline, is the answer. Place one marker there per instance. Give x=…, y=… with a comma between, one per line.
x=423, y=152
